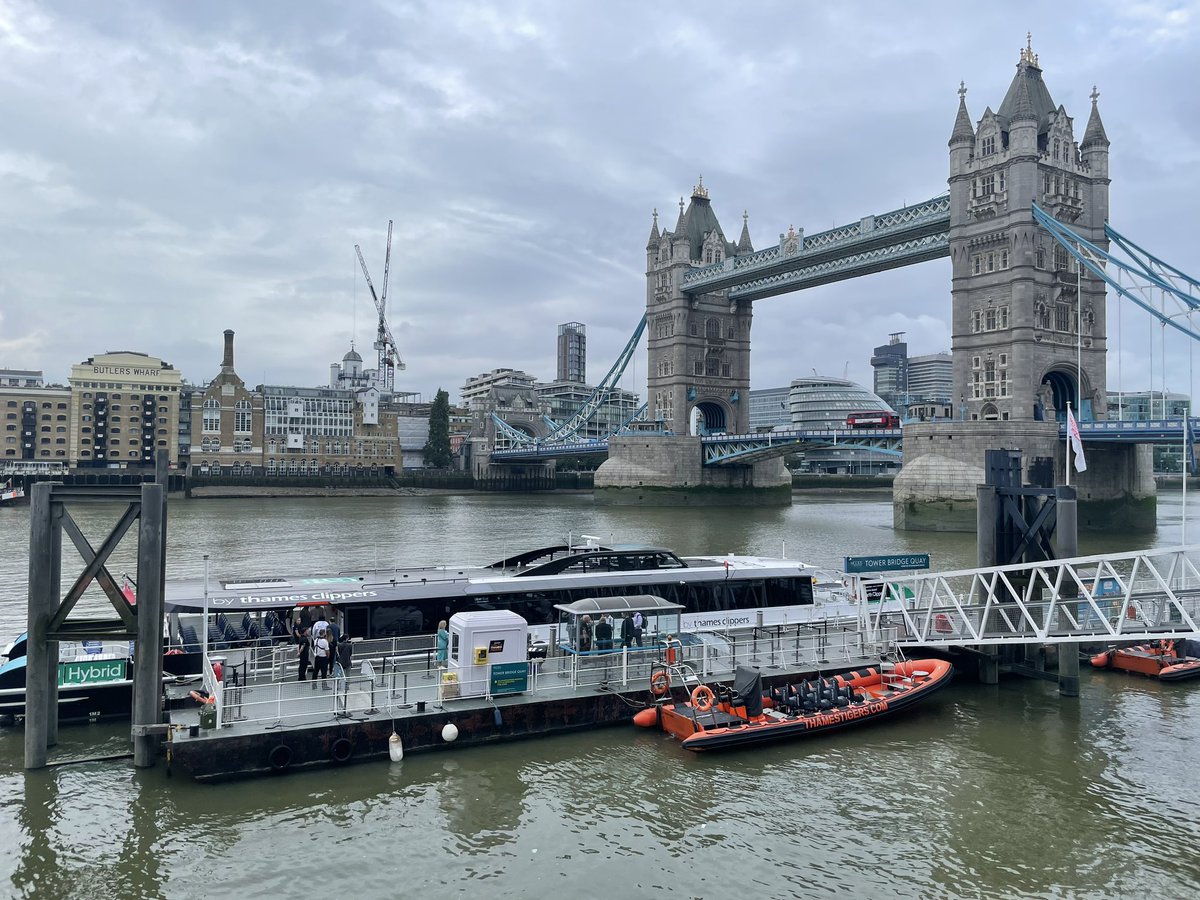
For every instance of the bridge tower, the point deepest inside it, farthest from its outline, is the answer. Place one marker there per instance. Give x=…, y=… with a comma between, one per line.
x=1028, y=330
x=698, y=367
x=1020, y=326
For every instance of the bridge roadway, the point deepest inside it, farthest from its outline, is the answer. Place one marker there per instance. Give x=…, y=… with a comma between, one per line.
x=1108, y=598
x=741, y=449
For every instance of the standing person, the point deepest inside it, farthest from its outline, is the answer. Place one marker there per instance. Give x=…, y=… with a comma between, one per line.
x=343, y=656
x=442, y=643
x=302, y=650
x=585, y=634
x=627, y=631
x=604, y=633
x=639, y=623
x=320, y=658
x=320, y=627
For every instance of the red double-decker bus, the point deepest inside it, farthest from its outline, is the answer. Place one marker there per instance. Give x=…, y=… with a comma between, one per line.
x=875, y=418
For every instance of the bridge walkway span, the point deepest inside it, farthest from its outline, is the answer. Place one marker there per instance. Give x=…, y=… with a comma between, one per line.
x=1146, y=595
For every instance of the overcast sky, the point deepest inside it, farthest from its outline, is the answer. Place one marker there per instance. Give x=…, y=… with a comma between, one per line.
x=170, y=170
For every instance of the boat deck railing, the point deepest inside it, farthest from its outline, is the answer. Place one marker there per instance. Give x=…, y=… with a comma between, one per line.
x=382, y=683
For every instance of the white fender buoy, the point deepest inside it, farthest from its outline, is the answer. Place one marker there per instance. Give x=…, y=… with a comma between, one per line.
x=395, y=747
x=449, y=732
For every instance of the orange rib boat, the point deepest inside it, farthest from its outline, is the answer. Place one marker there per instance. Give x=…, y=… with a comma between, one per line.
x=723, y=718
x=1164, y=660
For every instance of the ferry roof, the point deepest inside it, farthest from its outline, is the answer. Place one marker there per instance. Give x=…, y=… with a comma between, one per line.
x=577, y=569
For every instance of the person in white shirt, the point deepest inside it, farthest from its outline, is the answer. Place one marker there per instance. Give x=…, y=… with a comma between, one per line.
x=321, y=657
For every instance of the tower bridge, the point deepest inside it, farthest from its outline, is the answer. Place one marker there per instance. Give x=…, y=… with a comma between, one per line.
x=1024, y=223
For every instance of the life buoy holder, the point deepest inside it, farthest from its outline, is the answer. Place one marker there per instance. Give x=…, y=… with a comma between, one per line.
x=280, y=757
x=703, y=698
x=660, y=683
x=341, y=750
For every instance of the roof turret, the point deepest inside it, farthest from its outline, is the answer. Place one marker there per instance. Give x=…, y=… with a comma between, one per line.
x=654, y=235
x=1093, y=135
x=963, y=133
x=744, y=245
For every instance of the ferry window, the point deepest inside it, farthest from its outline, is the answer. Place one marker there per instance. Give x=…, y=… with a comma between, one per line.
x=788, y=591
x=454, y=645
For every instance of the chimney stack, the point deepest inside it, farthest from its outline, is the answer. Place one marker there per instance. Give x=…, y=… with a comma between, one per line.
x=227, y=362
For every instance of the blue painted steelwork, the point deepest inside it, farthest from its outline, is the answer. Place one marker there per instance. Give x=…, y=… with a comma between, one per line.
x=900, y=237
x=742, y=449
x=570, y=428
x=1150, y=271
x=737, y=449
x=513, y=434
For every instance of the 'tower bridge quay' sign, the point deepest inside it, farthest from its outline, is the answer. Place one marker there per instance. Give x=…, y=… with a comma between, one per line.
x=859, y=565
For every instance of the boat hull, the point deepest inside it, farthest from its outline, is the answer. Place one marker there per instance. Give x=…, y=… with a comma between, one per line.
x=1154, y=660
x=881, y=695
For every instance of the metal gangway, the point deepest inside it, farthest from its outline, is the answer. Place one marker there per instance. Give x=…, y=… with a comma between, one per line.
x=1152, y=594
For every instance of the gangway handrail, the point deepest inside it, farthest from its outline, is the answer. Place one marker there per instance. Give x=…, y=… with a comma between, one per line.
x=1102, y=596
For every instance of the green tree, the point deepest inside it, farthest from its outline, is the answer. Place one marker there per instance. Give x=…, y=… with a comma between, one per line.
x=437, y=448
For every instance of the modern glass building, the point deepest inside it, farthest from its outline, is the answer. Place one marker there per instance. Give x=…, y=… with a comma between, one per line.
x=930, y=378
x=769, y=409
x=821, y=403
x=572, y=352
x=890, y=363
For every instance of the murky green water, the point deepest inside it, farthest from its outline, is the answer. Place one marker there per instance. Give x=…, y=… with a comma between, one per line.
x=999, y=791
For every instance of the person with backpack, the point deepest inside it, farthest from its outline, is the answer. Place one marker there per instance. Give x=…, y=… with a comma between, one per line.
x=321, y=658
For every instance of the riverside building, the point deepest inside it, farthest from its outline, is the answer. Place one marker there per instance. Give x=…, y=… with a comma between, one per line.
x=36, y=418
x=226, y=435
x=124, y=406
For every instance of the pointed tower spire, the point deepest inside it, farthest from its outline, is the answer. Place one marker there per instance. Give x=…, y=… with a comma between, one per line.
x=1093, y=135
x=679, y=222
x=744, y=245
x=654, y=235
x=963, y=132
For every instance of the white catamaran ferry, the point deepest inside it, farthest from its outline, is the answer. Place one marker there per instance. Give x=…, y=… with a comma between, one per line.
x=717, y=593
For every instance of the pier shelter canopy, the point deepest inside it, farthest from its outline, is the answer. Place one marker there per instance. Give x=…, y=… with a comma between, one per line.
x=660, y=619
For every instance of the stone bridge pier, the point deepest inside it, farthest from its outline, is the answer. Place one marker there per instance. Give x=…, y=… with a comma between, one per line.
x=944, y=464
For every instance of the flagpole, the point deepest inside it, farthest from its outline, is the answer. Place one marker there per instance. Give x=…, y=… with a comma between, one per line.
x=1079, y=336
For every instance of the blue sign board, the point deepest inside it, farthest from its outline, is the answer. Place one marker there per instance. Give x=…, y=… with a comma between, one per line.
x=862, y=565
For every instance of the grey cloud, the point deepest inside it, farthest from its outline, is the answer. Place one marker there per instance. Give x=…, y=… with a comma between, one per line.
x=170, y=170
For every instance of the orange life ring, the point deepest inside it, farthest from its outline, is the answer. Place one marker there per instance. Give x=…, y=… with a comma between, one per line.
x=703, y=698
x=660, y=683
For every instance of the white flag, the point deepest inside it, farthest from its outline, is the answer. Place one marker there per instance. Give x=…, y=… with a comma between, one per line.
x=1076, y=442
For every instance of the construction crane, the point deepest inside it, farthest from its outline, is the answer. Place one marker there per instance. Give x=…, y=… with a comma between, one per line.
x=389, y=356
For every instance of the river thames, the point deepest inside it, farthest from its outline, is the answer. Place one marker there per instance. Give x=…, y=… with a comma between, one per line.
x=986, y=791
